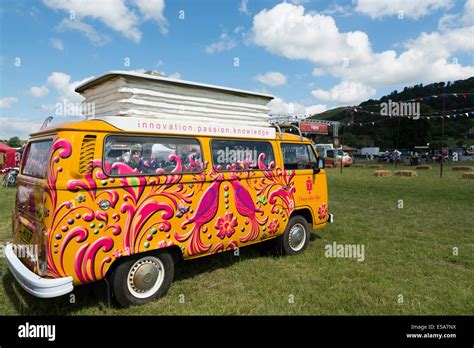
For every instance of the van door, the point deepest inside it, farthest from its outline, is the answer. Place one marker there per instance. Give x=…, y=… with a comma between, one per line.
x=28, y=229
x=311, y=187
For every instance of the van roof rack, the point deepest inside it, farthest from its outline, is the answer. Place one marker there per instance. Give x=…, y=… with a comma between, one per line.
x=296, y=120
x=282, y=122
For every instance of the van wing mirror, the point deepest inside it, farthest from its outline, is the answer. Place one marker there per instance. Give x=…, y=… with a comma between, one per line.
x=318, y=165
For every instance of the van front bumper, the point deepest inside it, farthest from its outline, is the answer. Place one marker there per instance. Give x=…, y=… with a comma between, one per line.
x=33, y=283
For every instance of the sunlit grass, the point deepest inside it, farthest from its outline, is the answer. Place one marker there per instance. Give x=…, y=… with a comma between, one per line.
x=408, y=252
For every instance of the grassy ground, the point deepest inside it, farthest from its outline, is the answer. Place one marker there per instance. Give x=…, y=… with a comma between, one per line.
x=408, y=253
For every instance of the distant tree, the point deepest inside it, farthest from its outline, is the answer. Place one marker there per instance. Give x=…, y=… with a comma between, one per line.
x=460, y=143
x=14, y=142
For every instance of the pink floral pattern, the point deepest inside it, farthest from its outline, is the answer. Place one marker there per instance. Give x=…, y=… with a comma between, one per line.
x=226, y=225
x=322, y=211
x=273, y=226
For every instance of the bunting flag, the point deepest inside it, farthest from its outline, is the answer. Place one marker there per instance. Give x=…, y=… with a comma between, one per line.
x=457, y=111
x=423, y=118
x=353, y=110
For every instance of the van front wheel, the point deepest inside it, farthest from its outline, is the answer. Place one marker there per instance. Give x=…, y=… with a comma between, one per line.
x=140, y=279
x=296, y=237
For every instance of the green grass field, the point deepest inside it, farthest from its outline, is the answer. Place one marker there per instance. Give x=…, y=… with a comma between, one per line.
x=408, y=253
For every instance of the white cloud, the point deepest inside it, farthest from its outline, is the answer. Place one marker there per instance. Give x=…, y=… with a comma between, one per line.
x=346, y=92
x=447, y=21
x=39, y=92
x=18, y=126
x=272, y=78
x=160, y=63
x=224, y=44
x=7, y=102
x=243, y=7
x=153, y=10
x=280, y=107
x=410, y=8
x=454, y=20
x=288, y=31
x=315, y=109
x=96, y=38
x=299, y=2
x=48, y=108
x=175, y=75
x=113, y=13
x=61, y=82
x=239, y=29
x=57, y=44
x=336, y=9
x=318, y=72
x=468, y=16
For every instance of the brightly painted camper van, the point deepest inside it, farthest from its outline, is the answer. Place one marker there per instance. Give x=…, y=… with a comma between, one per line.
x=124, y=198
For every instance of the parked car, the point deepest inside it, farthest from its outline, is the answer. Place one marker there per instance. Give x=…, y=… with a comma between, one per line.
x=334, y=157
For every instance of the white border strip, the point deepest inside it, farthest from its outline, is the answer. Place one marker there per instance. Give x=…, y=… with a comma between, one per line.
x=152, y=125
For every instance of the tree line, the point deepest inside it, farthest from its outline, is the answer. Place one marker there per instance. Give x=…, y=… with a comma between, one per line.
x=412, y=132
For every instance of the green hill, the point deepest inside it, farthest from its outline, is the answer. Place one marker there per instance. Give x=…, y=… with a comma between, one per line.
x=412, y=132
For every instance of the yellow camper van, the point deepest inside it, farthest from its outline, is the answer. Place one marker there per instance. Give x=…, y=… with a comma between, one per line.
x=124, y=198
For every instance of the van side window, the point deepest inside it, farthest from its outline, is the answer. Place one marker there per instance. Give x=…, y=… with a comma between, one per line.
x=129, y=155
x=312, y=155
x=36, y=159
x=297, y=156
x=243, y=154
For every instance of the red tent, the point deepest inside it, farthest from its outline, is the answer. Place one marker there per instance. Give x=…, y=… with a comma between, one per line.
x=8, y=154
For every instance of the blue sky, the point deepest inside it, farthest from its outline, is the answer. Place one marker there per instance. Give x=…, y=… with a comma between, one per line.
x=312, y=55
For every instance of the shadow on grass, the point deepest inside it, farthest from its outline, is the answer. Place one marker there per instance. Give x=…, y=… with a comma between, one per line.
x=96, y=294
x=86, y=296
x=191, y=268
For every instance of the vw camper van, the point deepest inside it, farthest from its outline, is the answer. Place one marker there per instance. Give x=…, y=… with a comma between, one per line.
x=124, y=198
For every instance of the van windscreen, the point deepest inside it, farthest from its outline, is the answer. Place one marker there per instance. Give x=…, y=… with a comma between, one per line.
x=36, y=158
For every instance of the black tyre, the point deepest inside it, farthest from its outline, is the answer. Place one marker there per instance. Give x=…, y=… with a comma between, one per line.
x=142, y=278
x=296, y=237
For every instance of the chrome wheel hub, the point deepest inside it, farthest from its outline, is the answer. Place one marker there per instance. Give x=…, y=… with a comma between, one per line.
x=297, y=237
x=145, y=277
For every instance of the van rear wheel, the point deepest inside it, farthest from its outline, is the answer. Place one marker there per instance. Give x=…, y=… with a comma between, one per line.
x=296, y=237
x=140, y=279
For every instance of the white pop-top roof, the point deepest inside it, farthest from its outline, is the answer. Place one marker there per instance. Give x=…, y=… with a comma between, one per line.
x=109, y=75
x=130, y=94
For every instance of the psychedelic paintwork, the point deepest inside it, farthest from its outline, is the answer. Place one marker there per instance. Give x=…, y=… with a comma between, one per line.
x=89, y=221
